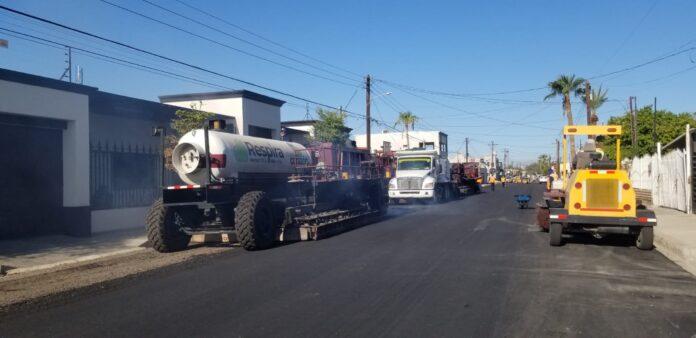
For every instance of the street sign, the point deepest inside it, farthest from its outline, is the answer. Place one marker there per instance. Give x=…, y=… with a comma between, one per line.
x=4, y=43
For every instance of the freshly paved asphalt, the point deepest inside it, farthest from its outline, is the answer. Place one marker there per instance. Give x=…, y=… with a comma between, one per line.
x=475, y=267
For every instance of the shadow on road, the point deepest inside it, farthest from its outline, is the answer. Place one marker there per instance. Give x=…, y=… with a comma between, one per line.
x=607, y=240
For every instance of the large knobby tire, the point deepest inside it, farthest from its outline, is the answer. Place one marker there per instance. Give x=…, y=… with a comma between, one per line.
x=162, y=231
x=645, y=238
x=254, y=221
x=555, y=234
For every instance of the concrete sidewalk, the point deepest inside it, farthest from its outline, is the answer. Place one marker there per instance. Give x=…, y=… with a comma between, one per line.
x=38, y=253
x=675, y=237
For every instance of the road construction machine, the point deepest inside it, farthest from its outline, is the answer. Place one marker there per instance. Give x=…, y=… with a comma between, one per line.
x=596, y=194
x=263, y=190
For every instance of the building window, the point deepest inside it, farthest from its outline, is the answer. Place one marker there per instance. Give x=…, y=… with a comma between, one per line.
x=260, y=132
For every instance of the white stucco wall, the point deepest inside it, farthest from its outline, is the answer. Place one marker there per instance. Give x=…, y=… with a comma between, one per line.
x=227, y=107
x=261, y=115
x=118, y=219
x=307, y=128
x=398, y=140
x=245, y=111
x=22, y=99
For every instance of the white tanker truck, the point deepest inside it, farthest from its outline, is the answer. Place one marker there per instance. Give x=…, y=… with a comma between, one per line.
x=263, y=190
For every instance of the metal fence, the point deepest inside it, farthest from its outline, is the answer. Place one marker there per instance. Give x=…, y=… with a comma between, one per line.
x=125, y=175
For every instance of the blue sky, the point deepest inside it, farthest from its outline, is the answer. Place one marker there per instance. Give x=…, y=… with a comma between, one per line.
x=451, y=46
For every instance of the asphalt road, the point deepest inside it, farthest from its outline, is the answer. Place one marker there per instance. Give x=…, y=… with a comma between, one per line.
x=475, y=267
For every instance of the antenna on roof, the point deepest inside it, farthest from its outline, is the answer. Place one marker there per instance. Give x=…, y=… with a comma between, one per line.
x=307, y=116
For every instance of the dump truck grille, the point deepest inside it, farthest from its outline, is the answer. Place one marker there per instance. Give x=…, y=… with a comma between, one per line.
x=602, y=194
x=409, y=183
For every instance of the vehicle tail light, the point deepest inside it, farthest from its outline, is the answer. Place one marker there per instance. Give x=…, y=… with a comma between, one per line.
x=577, y=205
x=627, y=207
x=578, y=185
x=626, y=186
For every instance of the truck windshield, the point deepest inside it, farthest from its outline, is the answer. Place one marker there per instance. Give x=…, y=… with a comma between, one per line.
x=414, y=163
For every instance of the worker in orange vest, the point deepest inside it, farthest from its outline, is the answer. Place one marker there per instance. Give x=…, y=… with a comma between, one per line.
x=491, y=180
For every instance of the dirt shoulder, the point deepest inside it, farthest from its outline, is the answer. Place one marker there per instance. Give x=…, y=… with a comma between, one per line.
x=27, y=287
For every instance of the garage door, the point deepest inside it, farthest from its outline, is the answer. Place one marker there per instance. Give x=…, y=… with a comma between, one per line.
x=31, y=193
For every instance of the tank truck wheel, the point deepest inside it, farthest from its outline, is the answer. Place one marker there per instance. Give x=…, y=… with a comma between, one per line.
x=555, y=234
x=162, y=231
x=253, y=219
x=645, y=238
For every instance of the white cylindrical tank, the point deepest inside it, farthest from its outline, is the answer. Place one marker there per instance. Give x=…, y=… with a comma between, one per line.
x=233, y=154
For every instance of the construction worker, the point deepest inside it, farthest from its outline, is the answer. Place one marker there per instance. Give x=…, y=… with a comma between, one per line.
x=503, y=179
x=491, y=181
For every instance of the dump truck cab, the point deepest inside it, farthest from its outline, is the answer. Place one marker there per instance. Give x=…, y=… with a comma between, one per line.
x=597, y=195
x=420, y=175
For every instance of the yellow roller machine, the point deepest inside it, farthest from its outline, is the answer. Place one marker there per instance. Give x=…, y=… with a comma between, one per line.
x=597, y=194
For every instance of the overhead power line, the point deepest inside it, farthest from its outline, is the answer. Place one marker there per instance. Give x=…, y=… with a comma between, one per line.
x=227, y=22
x=226, y=45
x=163, y=57
x=599, y=76
x=245, y=41
x=169, y=59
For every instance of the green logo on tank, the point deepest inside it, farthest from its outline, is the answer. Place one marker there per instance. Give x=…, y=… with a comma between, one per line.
x=241, y=154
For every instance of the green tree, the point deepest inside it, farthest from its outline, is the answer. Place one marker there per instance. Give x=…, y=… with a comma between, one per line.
x=564, y=86
x=408, y=120
x=669, y=126
x=186, y=120
x=541, y=166
x=330, y=127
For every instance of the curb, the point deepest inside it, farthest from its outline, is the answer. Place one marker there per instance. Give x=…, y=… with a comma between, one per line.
x=676, y=252
x=82, y=259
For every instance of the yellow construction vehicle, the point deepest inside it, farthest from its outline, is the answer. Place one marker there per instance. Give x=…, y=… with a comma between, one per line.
x=597, y=195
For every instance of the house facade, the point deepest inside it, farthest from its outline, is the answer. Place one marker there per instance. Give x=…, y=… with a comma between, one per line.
x=79, y=161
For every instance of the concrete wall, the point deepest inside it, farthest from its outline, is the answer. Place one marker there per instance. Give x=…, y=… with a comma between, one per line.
x=245, y=111
x=398, y=139
x=28, y=100
x=232, y=107
x=117, y=129
x=118, y=219
x=261, y=115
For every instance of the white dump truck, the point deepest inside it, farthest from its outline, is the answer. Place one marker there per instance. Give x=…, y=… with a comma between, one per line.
x=422, y=175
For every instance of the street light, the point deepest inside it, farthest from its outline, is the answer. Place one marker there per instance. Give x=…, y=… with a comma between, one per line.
x=383, y=94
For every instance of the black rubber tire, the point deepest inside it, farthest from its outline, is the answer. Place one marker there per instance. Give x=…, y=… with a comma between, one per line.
x=254, y=221
x=555, y=234
x=162, y=231
x=645, y=239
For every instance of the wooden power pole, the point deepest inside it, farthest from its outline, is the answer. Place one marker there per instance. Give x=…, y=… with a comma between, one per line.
x=588, y=98
x=634, y=139
x=368, y=122
x=466, y=141
x=558, y=157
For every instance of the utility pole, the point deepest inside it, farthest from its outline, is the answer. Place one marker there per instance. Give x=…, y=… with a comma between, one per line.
x=506, y=152
x=494, y=163
x=367, y=114
x=466, y=141
x=558, y=157
x=68, y=69
x=631, y=101
x=654, y=128
x=588, y=98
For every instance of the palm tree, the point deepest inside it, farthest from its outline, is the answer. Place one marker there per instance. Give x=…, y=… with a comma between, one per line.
x=565, y=85
x=408, y=120
x=597, y=99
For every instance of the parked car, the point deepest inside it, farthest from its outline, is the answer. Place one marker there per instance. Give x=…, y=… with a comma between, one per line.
x=543, y=179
